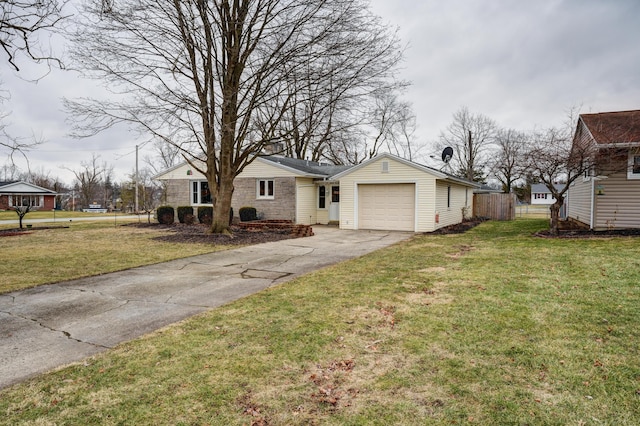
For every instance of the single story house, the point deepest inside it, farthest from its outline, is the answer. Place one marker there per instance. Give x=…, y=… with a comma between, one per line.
x=19, y=193
x=540, y=194
x=608, y=196
x=385, y=193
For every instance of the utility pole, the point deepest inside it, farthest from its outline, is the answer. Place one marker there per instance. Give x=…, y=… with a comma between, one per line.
x=136, y=194
x=471, y=158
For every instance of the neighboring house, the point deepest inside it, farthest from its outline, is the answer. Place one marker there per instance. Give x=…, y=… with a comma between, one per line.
x=540, y=194
x=386, y=192
x=18, y=193
x=609, y=195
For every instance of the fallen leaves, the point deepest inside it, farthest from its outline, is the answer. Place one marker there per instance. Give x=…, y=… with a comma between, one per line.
x=329, y=380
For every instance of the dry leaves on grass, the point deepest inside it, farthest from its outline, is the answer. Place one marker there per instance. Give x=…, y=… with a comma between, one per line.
x=330, y=383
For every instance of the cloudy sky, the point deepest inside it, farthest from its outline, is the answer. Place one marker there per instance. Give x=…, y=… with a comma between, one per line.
x=524, y=64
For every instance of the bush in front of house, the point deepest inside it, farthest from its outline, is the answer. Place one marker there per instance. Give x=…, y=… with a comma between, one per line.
x=166, y=215
x=205, y=215
x=247, y=214
x=185, y=214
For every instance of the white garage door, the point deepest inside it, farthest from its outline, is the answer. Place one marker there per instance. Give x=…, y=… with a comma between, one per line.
x=387, y=207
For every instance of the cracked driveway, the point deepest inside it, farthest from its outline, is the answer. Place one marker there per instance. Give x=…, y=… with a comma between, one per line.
x=49, y=326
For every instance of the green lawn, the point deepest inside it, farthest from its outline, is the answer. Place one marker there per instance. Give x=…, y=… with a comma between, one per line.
x=57, y=215
x=80, y=249
x=494, y=326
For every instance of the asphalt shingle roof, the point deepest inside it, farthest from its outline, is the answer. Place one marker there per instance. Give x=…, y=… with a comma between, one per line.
x=306, y=166
x=614, y=127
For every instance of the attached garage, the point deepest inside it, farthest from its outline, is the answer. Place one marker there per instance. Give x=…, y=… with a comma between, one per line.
x=387, y=206
x=393, y=194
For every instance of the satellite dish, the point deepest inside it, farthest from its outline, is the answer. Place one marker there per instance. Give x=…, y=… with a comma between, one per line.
x=447, y=153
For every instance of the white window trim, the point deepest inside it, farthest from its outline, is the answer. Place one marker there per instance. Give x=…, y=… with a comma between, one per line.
x=40, y=199
x=266, y=196
x=630, y=174
x=198, y=191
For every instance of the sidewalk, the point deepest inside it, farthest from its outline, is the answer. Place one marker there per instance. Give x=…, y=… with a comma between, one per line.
x=49, y=326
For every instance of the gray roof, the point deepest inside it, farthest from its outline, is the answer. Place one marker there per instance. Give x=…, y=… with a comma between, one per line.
x=541, y=188
x=306, y=166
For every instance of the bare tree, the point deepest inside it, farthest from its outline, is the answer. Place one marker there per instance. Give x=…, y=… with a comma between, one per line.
x=166, y=156
x=21, y=24
x=213, y=78
x=471, y=136
x=89, y=179
x=508, y=163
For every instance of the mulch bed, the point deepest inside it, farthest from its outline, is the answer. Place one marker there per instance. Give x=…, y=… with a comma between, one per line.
x=588, y=233
x=197, y=233
x=458, y=228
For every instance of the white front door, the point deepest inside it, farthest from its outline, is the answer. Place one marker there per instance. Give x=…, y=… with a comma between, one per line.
x=334, y=206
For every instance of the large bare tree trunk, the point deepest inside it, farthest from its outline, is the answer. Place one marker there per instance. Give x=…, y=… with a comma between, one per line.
x=554, y=224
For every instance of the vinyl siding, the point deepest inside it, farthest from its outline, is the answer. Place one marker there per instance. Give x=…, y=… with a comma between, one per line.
x=306, y=202
x=398, y=172
x=619, y=206
x=452, y=214
x=579, y=201
x=257, y=169
x=260, y=169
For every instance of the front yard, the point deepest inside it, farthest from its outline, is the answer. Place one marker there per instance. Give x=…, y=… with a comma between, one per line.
x=493, y=326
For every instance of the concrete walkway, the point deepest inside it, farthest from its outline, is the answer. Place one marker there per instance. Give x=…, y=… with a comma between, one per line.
x=49, y=326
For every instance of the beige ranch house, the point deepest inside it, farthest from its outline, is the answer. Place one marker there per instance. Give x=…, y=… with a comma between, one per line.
x=383, y=193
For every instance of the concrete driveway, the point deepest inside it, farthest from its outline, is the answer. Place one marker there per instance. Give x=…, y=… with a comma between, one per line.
x=49, y=326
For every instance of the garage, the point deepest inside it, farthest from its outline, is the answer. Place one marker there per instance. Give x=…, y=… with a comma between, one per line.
x=387, y=206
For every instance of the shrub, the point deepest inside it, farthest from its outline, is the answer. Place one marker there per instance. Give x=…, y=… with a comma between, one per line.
x=166, y=215
x=185, y=214
x=205, y=215
x=247, y=214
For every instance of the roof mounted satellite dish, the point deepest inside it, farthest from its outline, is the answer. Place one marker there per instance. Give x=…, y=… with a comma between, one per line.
x=447, y=153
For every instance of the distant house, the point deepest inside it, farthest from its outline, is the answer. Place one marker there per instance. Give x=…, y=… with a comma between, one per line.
x=540, y=194
x=608, y=196
x=385, y=192
x=19, y=194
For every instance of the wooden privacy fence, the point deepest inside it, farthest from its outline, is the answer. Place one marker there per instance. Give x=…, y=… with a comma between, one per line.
x=495, y=206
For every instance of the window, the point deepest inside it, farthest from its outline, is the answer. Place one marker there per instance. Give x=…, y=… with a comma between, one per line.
x=322, y=197
x=385, y=167
x=33, y=201
x=448, y=196
x=335, y=194
x=634, y=167
x=200, y=193
x=265, y=189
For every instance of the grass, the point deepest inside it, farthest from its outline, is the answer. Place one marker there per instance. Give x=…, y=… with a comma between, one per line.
x=57, y=215
x=83, y=249
x=490, y=327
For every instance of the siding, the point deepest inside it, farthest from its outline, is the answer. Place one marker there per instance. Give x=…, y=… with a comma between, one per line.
x=257, y=169
x=262, y=169
x=579, y=201
x=398, y=173
x=306, y=211
x=452, y=214
x=619, y=206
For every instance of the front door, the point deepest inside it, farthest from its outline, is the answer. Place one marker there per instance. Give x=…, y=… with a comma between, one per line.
x=334, y=207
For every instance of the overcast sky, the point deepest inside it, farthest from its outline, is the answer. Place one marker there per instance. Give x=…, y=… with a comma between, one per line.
x=524, y=64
